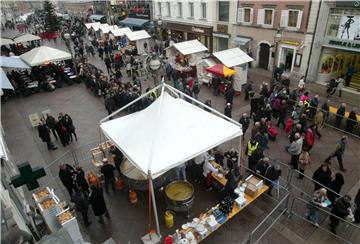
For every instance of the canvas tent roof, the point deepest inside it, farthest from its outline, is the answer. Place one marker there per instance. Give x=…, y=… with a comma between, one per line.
x=5, y=83
x=137, y=35
x=44, y=54
x=13, y=62
x=89, y=25
x=120, y=32
x=26, y=38
x=190, y=47
x=233, y=57
x=6, y=41
x=134, y=22
x=158, y=137
x=111, y=27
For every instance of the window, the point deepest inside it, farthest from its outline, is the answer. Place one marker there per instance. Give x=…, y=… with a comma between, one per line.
x=168, y=9
x=222, y=44
x=245, y=15
x=159, y=8
x=191, y=10
x=291, y=18
x=224, y=11
x=203, y=10
x=180, y=9
x=265, y=17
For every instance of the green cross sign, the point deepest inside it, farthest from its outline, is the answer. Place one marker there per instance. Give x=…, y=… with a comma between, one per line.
x=28, y=176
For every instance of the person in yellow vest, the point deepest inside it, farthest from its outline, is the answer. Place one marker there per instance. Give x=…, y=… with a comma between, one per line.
x=251, y=147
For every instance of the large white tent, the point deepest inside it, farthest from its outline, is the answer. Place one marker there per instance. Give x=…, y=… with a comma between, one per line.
x=168, y=133
x=233, y=57
x=190, y=47
x=26, y=38
x=137, y=35
x=5, y=41
x=5, y=82
x=13, y=62
x=120, y=32
x=44, y=54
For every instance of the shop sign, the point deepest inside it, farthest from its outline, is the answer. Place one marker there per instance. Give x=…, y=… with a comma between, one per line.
x=292, y=43
x=189, y=28
x=346, y=44
x=222, y=28
x=197, y=30
x=349, y=4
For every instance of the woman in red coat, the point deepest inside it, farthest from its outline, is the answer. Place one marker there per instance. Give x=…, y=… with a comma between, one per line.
x=310, y=138
x=289, y=125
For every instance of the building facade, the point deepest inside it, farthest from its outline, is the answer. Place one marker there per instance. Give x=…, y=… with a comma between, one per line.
x=185, y=20
x=337, y=42
x=79, y=8
x=12, y=10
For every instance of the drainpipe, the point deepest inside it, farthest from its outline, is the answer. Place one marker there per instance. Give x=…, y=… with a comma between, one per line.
x=312, y=42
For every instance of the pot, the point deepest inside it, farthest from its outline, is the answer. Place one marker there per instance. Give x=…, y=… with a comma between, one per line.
x=179, y=196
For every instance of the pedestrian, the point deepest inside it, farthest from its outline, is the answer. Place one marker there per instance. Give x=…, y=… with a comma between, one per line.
x=101, y=52
x=322, y=176
x=118, y=157
x=251, y=147
x=51, y=123
x=339, y=211
x=229, y=94
x=128, y=69
x=68, y=122
x=301, y=84
x=198, y=165
x=304, y=161
x=318, y=122
x=309, y=139
x=326, y=110
x=255, y=129
x=44, y=134
x=108, y=171
x=66, y=175
x=314, y=103
x=62, y=132
x=181, y=172
x=295, y=150
x=340, y=84
x=357, y=210
x=215, y=82
x=335, y=187
x=340, y=115
x=272, y=175
x=282, y=114
x=208, y=169
x=245, y=122
x=349, y=74
x=339, y=152
x=351, y=121
x=108, y=64
x=97, y=202
x=232, y=157
x=227, y=110
x=196, y=90
x=233, y=178
x=81, y=181
x=262, y=166
x=315, y=203
x=81, y=205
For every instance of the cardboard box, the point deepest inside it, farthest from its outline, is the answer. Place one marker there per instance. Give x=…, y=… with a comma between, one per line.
x=252, y=180
x=251, y=190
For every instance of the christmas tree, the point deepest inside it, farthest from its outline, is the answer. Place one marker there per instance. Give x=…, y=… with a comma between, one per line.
x=51, y=21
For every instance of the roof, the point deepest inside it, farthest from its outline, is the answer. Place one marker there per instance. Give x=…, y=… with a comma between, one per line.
x=233, y=57
x=120, y=32
x=44, y=54
x=137, y=35
x=5, y=41
x=190, y=47
x=26, y=38
x=96, y=16
x=134, y=22
x=13, y=62
x=5, y=83
x=168, y=133
x=89, y=25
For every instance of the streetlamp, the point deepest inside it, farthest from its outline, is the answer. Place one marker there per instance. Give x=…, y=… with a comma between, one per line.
x=67, y=42
x=154, y=65
x=277, y=39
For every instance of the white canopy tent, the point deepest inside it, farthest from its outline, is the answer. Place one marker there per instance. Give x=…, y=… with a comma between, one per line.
x=13, y=62
x=3, y=147
x=89, y=25
x=120, y=32
x=137, y=35
x=190, y=47
x=156, y=139
x=5, y=83
x=141, y=38
x=108, y=29
x=5, y=41
x=44, y=54
x=26, y=38
x=233, y=57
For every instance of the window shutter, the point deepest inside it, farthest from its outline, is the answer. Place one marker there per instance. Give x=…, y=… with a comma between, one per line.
x=260, y=17
x=251, y=15
x=284, y=18
x=240, y=15
x=298, y=22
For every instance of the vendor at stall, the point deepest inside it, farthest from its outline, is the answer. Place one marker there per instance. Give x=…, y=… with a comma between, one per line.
x=233, y=178
x=208, y=168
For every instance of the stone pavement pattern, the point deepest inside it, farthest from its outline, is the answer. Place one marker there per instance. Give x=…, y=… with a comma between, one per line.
x=129, y=222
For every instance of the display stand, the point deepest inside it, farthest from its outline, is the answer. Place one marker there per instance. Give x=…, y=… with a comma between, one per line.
x=69, y=222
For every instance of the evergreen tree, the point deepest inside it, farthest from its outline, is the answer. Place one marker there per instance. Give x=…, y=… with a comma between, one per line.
x=51, y=20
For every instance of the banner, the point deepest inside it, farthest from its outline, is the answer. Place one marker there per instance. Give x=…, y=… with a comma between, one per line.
x=349, y=28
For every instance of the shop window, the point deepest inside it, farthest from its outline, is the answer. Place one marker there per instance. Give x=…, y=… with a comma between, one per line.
x=224, y=11
x=333, y=25
x=222, y=44
x=326, y=64
x=203, y=10
x=268, y=16
x=245, y=15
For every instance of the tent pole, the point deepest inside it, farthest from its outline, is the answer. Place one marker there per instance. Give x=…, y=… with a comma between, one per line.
x=151, y=188
x=241, y=157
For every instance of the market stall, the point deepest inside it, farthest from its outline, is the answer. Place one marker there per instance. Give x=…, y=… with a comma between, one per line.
x=90, y=25
x=139, y=39
x=236, y=59
x=43, y=55
x=185, y=57
x=203, y=75
x=26, y=38
x=156, y=138
x=5, y=41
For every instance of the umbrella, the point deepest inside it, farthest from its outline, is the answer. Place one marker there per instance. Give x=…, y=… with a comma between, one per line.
x=5, y=83
x=13, y=62
x=42, y=55
x=26, y=38
x=221, y=70
x=4, y=41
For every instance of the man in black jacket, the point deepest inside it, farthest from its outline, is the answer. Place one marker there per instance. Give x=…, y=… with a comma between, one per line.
x=340, y=210
x=244, y=121
x=108, y=171
x=44, y=134
x=81, y=205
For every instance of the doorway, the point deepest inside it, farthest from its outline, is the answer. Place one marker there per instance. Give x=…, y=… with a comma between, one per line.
x=264, y=56
x=287, y=59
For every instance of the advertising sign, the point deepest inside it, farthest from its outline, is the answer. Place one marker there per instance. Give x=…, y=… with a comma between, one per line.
x=349, y=28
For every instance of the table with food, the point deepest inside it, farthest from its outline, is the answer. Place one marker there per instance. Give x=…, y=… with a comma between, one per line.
x=207, y=223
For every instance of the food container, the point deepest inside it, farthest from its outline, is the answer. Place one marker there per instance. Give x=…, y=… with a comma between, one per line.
x=211, y=222
x=251, y=190
x=64, y=217
x=69, y=222
x=41, y=194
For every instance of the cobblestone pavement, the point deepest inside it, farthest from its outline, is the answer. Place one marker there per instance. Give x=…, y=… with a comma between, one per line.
x=129, y=222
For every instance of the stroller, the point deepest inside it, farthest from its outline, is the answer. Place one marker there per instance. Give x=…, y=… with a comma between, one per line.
x=331, y=87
